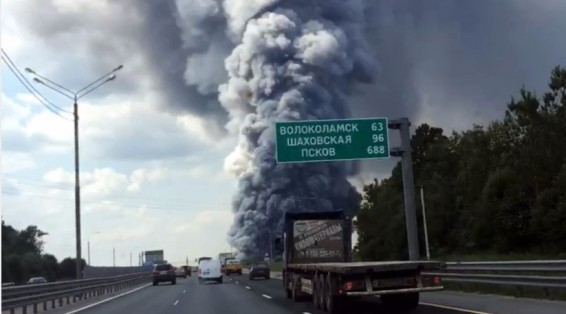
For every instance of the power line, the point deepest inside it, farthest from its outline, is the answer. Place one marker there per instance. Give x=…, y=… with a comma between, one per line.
x=12, y=67
x=31, y=85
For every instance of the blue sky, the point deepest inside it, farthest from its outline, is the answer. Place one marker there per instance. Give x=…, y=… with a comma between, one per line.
x=152, y=156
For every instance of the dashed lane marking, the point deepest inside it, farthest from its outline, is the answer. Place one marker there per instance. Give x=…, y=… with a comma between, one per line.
x=453, y=308
x=266, y=296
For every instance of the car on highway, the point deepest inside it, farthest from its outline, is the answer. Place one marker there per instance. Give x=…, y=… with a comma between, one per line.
x=180, y=272
x=187, y=270
x=36, y=280
x=164, y=273
x=259, y=270
x=210, y=270
x=233, y=266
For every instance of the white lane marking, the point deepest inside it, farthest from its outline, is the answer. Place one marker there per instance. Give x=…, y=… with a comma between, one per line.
x=306, y=313
x=248, y=288
x=237, y=282
x=109, y=299
x=266, y=296
x=176, y=302
x=453, y=308
x=184, y=291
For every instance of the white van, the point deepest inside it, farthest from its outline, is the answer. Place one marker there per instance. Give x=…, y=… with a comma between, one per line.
x=210, y=270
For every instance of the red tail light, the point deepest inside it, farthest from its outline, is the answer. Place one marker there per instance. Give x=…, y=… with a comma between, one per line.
x=199, y=271
x=437, y=280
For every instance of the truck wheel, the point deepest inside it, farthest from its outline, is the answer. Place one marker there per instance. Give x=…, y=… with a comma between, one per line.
x=322, y=292
x=286, y=283
x=316, y=292
x=333, y=304
x=294, y=289
x=404, y=302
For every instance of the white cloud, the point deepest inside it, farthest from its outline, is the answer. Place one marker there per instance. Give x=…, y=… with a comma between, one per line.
x=16, y=161
x=203, y=221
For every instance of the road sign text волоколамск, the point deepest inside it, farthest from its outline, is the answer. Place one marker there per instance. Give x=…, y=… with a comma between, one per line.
x=332, y=140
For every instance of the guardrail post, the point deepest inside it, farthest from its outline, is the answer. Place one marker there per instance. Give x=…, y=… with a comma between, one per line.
x=45, y=306
x=35, y=308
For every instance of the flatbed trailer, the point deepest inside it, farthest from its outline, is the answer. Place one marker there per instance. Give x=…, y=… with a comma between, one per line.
x=335, y=280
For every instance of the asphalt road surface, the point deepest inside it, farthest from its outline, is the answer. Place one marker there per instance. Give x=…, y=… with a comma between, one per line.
x=238, y=295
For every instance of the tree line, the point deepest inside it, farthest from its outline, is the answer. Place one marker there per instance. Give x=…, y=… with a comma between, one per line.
x=23, y=257
x=495, y=189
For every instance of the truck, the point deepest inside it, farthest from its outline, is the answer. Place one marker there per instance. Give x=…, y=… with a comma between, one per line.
x=224, y=256
x=154, y=257
x=317, y=263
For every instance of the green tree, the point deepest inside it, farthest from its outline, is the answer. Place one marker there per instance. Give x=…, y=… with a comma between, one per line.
x=500, y=188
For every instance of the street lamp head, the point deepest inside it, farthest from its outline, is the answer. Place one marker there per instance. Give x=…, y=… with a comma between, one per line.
x=111, y=78
x=118, y=68
x=35, y=79
x=29, y=70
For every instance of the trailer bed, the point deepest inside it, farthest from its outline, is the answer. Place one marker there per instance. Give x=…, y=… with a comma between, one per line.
x=364, y=267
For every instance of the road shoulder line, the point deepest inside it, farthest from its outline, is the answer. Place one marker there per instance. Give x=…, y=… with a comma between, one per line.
x=106, y=300
x=453, y=308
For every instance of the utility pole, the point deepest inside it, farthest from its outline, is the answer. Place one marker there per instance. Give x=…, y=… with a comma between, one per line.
x=75, y=96
x=404, y=152
x=424, y=224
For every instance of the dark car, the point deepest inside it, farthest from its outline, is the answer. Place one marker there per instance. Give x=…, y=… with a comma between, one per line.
x=187, y=270
x=259, y=270
x=164, y=272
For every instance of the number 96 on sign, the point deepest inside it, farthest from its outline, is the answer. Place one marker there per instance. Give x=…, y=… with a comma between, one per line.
x=326, y=140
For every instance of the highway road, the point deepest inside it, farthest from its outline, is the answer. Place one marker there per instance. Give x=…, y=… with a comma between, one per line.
x=238, y=295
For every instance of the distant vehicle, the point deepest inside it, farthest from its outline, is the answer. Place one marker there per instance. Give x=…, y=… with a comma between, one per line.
x=210, y=270
x=36, y=280
x=233, y=266
x=164, y=273
x=180, y=272
x=204, y=259
x=187, y=270
x=224, y=256
x=259, y=270
x=155, y=257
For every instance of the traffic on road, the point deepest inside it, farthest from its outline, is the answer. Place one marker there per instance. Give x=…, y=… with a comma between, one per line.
x=240, y=295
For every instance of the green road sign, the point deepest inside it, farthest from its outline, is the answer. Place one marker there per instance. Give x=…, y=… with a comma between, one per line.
x=331, y=140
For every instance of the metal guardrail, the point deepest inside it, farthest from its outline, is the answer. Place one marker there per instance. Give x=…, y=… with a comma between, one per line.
x=34, y=295
x=507, y=273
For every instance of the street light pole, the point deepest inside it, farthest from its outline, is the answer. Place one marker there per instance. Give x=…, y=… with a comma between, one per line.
x=75, y=96
x=424, y=223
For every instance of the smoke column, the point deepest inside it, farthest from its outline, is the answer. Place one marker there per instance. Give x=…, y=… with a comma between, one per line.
x=294, y=60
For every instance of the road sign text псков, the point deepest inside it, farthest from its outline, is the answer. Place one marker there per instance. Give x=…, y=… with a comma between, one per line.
x=328, y=140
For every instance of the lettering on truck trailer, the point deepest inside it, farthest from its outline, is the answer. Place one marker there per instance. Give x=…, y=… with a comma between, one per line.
x=319, y=236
